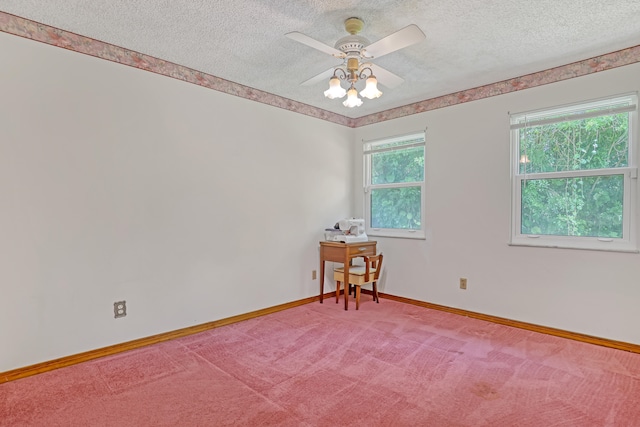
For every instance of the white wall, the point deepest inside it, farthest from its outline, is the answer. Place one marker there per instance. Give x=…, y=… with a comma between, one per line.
x=119, y=184
x=468, y=215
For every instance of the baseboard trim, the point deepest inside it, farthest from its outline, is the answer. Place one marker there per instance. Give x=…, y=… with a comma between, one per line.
x=619, y=345
x=62, y=362
x=86, y=356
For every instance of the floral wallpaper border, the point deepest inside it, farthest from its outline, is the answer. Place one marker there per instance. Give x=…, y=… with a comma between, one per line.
x=22, y=27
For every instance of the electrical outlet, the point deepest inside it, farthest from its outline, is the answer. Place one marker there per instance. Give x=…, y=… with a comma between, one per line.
x=119, y=309
x=463, y=283
x=313, y=275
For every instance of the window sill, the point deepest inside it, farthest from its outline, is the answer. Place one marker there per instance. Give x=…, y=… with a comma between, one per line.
x=400, y=234
x=590, y=245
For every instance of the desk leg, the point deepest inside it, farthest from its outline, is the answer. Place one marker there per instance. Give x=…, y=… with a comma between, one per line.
x=346, y=280
x=321, y=279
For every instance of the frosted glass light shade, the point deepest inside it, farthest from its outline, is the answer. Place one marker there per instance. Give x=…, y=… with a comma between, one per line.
x=371, y=89
x=335, y=90
x=352, y=99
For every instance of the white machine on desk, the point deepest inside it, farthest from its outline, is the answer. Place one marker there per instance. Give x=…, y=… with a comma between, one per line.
x=348, y=230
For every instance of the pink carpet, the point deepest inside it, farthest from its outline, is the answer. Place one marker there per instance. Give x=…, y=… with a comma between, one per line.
x=388, y=364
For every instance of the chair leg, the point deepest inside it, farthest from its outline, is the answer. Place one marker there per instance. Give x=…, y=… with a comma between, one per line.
x=357, y=291
x=337, y=291
x=375, y=293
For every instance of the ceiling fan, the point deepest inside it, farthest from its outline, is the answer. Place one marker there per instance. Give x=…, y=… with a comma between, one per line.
x=356, y=53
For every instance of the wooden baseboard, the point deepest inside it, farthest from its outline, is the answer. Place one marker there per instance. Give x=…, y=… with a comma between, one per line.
x=619, y=345
x=39, y=368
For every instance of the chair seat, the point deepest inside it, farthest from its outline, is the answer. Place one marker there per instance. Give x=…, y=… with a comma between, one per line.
x=356, y=275
x=358, y=270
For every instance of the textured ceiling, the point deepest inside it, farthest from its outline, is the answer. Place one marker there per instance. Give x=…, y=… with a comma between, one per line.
x=469, y=43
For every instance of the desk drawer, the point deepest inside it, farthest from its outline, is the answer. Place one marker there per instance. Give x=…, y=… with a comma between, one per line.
x=361, y=249
x=335, y=254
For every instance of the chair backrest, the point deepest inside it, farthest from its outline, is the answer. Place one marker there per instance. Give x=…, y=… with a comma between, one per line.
x=372, y=263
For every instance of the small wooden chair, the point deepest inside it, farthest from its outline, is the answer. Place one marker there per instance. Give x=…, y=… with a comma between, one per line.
x=358, y=276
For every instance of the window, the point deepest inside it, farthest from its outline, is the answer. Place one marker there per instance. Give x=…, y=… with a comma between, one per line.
x=394, y=186
x=574, y=176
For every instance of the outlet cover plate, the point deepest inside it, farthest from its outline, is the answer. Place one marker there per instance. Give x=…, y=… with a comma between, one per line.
x=119, y=309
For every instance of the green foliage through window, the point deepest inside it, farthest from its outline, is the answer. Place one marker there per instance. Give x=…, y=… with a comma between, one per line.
x=593, y=143
x=405, y=165
x=396, y=208
x=394, y=183
x=584, y=206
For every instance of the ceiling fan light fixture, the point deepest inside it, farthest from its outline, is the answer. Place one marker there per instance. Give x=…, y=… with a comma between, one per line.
x=335, y=90
x=371, y=89
x=352, y=98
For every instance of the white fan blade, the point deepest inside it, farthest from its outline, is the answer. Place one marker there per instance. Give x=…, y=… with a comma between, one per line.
x=407, y=36
x=323, y=76
x=385, y=77
x=304, y=39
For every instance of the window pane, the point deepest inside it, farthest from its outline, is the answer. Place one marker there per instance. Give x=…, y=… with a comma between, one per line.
x=405, y=165
x=582, y=206
x=593, y=143
x=398, y=208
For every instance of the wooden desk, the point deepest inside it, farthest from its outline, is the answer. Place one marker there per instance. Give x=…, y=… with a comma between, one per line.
x=344, y=253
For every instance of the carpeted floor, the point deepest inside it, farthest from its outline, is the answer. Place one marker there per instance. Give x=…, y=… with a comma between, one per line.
x=388, y=364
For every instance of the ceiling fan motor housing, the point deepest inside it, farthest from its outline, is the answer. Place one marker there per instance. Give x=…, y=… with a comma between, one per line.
x=352, y=44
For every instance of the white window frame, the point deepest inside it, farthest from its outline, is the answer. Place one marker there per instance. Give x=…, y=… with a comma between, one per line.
x=369, y=148
x=608, y=106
